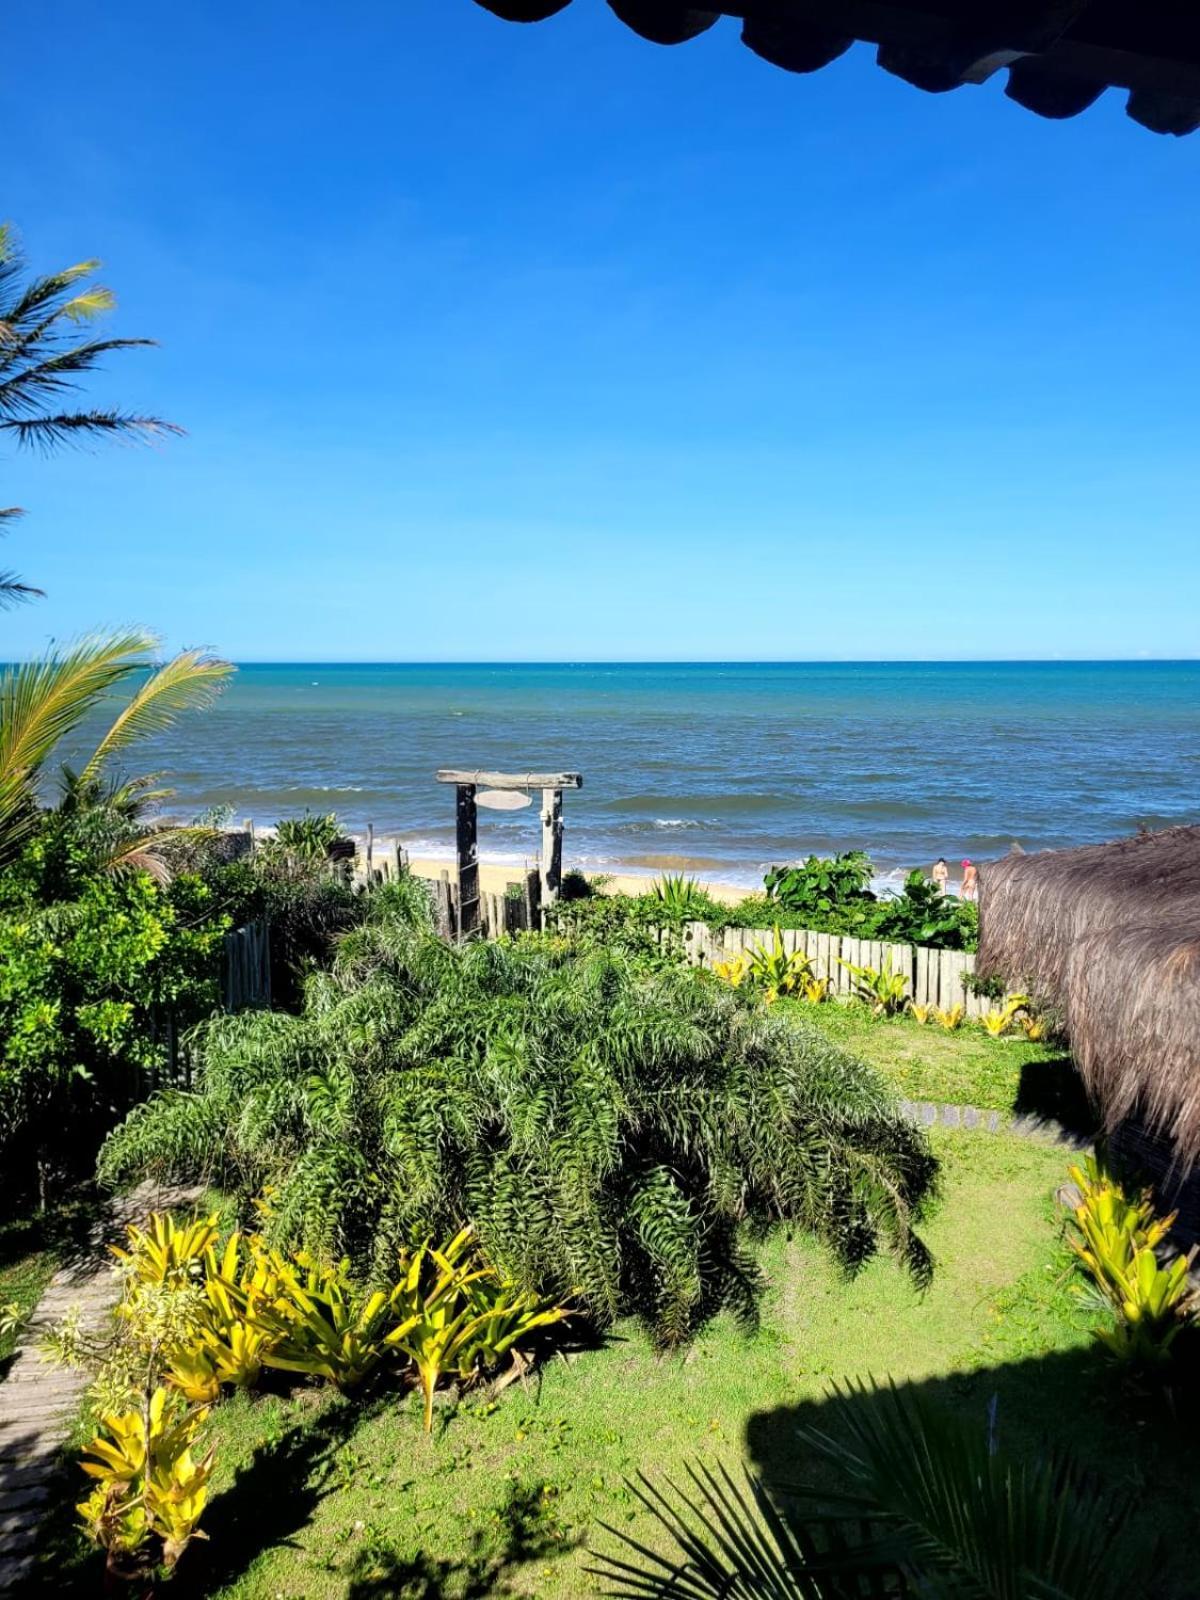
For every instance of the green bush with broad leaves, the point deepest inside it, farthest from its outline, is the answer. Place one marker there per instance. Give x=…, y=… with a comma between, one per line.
x=88, y=987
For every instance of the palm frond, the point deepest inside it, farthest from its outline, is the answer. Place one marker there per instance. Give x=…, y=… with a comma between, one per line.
x=187, y=682
x=41, y=703
x=77, y=428
x=13, y=590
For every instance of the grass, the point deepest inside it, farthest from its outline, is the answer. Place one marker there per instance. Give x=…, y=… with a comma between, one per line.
x=964, y=1067
x=32, y=1247
x=320, y=1498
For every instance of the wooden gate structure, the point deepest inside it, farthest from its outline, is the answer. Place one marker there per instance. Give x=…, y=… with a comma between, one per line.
x=503, y=791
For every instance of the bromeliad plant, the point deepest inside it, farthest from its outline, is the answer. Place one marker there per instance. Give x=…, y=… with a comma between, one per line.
x=150, y=1489
x=1117, y=1241
x=1000, y=1019
x=456, y=1314
x=885, y=991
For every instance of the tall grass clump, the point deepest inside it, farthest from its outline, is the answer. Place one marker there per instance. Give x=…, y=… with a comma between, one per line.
x=614, y=1132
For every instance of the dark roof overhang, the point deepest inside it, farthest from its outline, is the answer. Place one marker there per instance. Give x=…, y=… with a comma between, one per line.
x=1060, y=55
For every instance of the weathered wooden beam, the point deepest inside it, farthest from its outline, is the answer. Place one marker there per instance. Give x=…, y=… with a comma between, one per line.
x=511, y=780
x=552, y=835
x=466, y=848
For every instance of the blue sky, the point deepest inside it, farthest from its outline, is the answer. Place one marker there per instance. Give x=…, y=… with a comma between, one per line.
x=547, y=343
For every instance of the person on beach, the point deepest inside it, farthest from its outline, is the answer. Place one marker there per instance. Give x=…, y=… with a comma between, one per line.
x=940, y=874
x=970, y=883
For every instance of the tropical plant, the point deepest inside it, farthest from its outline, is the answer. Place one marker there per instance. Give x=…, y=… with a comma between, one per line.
x=921, y=1013
x=150, y=1488
x=316, y=1321
x=12, y=1319
x=928, y=1505
x=166, y=1251
x=777, y=971
x=999, y=1020
x=880, y=988
x=455, y=1314
x=681, y=897
x=43, y=703
x=823, y=884
x=89, y=990
x=42, y=358
x=1117, y=1241
x=308, y=838
x=614, y=1132
x=815, y=990
x=734, y=972
x=949, y=1017
x=922, y=914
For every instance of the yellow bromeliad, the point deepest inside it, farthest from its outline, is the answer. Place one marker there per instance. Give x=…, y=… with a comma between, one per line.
x=456, y=1314
x=149, y=1483
x=733, y=972
x=1118, y=1239
x=166, y=1251
x=317, y=1322
x=228, y=1345
x=949, y=1017
x=921, y=1013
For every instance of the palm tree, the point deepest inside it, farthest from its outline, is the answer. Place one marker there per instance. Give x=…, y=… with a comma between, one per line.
x=44, y=351
x=44, y=702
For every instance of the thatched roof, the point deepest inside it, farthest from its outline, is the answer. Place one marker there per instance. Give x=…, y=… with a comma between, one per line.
x=1111, y=935
x=1060, y=55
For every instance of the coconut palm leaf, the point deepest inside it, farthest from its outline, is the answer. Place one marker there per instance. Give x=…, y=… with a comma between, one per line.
x=42, y=357
x=188, y=681
x=42, y=703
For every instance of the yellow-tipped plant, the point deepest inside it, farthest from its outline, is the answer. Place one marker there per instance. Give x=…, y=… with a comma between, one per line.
x=921, y=1013
x=777, y=972
x=228, y=1344
x=949, y=1017
x=733, y=972
x=1117, y=1241
x=816, y=990
x=166, y=1251
x=998, y=1021
x=455, y=1314
x=315, y=1321
x=149, y=1485
x=879, y=987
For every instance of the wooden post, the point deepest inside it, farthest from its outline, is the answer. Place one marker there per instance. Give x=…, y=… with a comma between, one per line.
x=370, y=849
x=552, y=835
x=250, y=831
x=533, y=901
x=466, y=837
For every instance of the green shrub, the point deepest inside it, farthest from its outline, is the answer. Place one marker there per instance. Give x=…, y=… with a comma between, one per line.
x=613, y=1132
x=88, y=989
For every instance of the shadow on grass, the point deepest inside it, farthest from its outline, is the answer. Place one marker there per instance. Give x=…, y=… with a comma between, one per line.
x=525, y=1531
x=1053, y=1092
x=272, y=1498
x=1136, y=1440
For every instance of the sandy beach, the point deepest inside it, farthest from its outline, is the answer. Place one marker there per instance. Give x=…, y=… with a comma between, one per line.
x=494, y=878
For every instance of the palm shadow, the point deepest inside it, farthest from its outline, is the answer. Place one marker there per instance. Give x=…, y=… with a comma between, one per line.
x=1135, y=1440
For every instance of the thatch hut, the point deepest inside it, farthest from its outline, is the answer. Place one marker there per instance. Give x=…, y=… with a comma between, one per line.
x=1109, y=935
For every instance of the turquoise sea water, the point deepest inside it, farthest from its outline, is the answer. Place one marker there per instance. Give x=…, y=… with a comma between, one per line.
x=731, y=767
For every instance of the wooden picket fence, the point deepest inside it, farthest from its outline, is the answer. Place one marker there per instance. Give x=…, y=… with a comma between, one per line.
x=935, y=977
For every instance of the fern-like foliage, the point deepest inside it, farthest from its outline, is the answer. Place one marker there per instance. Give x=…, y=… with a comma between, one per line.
x=613, y=1132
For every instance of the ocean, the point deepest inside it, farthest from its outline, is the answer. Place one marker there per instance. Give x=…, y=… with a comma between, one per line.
x=725, y=768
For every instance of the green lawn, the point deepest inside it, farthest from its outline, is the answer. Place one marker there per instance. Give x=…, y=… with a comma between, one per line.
x=317, y=1497
x=965, y=1067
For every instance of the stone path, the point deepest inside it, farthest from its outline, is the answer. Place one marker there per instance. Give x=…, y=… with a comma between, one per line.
x=929, y=1114
x=38, y=1401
